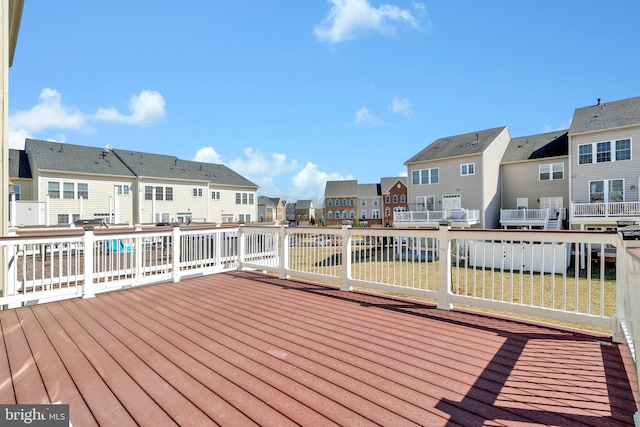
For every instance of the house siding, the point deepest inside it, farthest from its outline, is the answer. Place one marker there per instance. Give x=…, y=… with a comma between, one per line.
x=522, y=180
x=450, y=182
x=629, y=170
x=490, y=173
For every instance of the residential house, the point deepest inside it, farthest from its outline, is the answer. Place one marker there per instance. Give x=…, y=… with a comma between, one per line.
x=394, y=197
x=461, y=173
x=340, y=201
x=122, y=186
x=290, y=209
x=281, y=209
x=305, y=213
x=535, y=181
x=20, y=173
x=266, y=209
x=604, y=165
x=369, y=204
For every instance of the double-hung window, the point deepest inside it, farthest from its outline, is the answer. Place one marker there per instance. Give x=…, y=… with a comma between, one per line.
x=551, y=171
x=605, y=151
x=468, y=169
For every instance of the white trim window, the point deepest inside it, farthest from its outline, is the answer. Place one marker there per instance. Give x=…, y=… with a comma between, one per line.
x=552, y=171
x=215, y=195
x=426, y=203
x=425, y=176
x=468, y=169
x=122, y=190
x=197, y=192
x=604, y=151
x=606, y=190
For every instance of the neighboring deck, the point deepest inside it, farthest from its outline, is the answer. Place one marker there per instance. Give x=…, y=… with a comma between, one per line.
x=243, y=349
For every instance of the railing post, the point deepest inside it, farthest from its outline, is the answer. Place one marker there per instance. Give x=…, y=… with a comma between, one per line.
x=175, y=253
x=283, y=252
x=621, y=290
x=87, y=254
x=444, y=287
x=242, y=247
x=346, y=258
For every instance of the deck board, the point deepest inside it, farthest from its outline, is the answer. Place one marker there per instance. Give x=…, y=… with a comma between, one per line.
x=242, y=349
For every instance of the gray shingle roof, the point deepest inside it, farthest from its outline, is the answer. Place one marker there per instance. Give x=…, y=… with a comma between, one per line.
x=388, y=182
x=609, y=115
x=458, y=145
x=368, y=190
x=344, y=188
x=539, y=146
x=19, y=164
x=171, y=167
x=62, y=157
x=266, y=201
x=304, y=204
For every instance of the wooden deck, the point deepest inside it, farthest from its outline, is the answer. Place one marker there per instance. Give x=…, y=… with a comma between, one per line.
x=247, y=349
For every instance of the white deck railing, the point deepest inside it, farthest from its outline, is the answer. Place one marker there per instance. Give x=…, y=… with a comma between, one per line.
x=524, y=215
x=560, y=275
x=468, y=216
x=606, y=209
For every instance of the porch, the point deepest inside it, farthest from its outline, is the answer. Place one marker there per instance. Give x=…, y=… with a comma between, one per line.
x=611, y=212
x=244, y=348
x=422, y=218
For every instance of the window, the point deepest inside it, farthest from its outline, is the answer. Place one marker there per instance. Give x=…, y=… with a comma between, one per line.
x=611, y=190
x=387, y=199
x=387, y=212
x=606, y=151
x=352, y=214
x=244, y=218
x=623, y=149
x=375, y=202
x=197, y=192
x=161, y=217
x=68, y=190
x=363, y=215
x=426, y=203
x=375, y=214
x=403, y=198
x=159, y=193
x=54, y=190
x=522, y=202
x=83, y=190
x=330, y=215
x=244, y=198
x=16, y=192
x=468, y=169
x=63, y=219
x=329, y=202
x=585, y=154
x=122, y=190
x=551, y=171
x=148, y=192
x=603, y=152
x=215, y=195
x=168, y=193
x=363, y=202
x=425, y=176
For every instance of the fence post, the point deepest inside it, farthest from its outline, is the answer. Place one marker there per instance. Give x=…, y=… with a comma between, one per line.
x=175, y=253
x=87, y=254
x=242, y=247
x=444, y=286
x=346, y=259
x=622, y=292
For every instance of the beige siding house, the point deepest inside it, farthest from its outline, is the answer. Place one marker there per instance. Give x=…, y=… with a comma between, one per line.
x=121, y=186
x=535, y=181
x=461, y=171
x=604, y=164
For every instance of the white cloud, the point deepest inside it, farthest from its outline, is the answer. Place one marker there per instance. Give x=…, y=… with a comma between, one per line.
x=146, y=108
x=348, y=18
x=364, y=117
x=401, y=106
x=51, y=113
x=310, y=180
x=257, y=163
x=208, y=155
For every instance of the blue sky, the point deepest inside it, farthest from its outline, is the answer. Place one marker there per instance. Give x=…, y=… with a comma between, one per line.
x=292, y=93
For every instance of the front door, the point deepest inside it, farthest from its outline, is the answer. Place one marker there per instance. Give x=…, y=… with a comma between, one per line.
x=554, y=204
